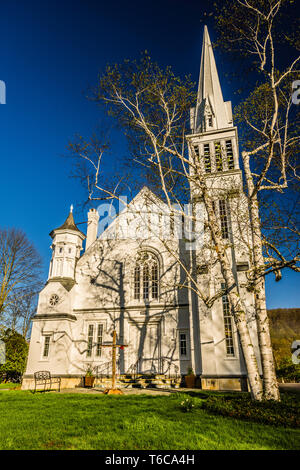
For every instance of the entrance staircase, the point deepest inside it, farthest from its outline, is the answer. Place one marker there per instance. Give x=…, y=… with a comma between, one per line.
x=126, y=381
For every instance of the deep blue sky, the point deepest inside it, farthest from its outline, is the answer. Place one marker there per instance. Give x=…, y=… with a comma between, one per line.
x=51, y=51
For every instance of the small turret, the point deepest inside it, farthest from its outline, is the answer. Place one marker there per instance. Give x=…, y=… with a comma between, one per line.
x=66, y=248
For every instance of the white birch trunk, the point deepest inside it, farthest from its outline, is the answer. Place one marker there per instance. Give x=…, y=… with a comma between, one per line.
x=236, y=305
x=270, y=385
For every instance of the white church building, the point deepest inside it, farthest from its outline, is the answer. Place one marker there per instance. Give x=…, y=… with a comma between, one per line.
x=133, y=280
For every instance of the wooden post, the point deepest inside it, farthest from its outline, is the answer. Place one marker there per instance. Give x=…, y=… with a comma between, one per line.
x=113, y=390
x=114, y=360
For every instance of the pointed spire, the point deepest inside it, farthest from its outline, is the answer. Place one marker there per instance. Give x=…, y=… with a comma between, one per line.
x=69, y=224
x=211, y=111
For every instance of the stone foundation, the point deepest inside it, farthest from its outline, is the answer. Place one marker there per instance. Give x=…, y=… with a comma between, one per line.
x=225, y=384
x=66, y=382
x=211, y=383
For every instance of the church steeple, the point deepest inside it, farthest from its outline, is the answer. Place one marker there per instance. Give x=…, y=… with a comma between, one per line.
x=211, y=112
x=213, y=136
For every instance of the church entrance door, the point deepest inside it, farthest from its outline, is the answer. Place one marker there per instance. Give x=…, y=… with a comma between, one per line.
x=146, y=347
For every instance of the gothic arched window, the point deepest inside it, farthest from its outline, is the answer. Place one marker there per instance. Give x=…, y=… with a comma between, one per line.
x=146, y=277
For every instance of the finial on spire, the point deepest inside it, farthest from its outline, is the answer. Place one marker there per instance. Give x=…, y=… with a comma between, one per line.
x=71, y=208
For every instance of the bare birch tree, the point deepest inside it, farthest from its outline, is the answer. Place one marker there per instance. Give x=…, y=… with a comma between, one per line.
x=271, y=147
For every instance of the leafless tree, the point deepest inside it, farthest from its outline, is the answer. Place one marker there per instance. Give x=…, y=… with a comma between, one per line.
x=20, y=311
x=270, y=146
x=20, y=275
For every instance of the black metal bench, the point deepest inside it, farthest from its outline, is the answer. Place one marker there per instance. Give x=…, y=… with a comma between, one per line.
x=43, y=377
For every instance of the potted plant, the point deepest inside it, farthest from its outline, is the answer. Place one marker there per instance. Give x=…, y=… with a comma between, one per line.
x=89, y=378
x=190, y=379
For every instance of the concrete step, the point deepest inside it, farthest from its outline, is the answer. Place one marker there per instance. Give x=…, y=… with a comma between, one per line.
x=141, y=381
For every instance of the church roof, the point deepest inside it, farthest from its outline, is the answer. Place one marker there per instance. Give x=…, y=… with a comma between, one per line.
x=69, y=224
x=135, y=205
x=210, y=95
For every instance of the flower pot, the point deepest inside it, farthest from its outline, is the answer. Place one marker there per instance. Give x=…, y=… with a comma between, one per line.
x=89, y=381
x=190, y=381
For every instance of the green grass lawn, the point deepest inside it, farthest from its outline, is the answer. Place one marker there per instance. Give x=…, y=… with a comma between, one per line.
x=9, y=385
x=133, y=422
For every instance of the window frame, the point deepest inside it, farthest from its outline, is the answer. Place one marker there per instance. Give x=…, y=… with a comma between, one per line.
x=46, y=344
x=219, y=164
x=137, y=282
x=154, y=281
x=98, y=352
x=90, y=340
x=146, y=282
x=93, y=345
x=146, y=278
x=228, y=326
x=186, y=333
x=182, y=344
x=229, y=155
x=223, y=214
x=207, y=157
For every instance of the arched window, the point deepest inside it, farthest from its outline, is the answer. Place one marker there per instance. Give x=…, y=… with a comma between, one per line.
x=146, y=277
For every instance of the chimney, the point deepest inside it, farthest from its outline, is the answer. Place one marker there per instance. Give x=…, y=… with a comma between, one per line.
x=92, y=227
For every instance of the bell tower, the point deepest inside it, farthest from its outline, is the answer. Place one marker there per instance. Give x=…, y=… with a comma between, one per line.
x=213, y=144
x=214, y=138
x=66, y=247
x=213, y=153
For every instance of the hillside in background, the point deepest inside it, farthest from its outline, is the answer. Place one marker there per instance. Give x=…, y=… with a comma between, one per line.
x=285, y=328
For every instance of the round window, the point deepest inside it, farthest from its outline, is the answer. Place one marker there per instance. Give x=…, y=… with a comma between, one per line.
x=53, y=300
